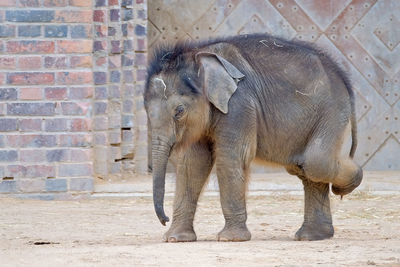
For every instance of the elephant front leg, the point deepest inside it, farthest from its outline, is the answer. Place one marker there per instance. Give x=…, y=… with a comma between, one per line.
x=232, y=186
x=192, y=173
x=317, y=223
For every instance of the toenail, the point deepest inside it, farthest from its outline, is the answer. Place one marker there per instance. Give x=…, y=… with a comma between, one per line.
x=172, y=239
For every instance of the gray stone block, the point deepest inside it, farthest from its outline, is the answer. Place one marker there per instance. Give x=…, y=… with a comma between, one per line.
x=56, y=185
x=81, y=184
x=7, y=186
x=30, y=15
x=8, y=155
x=55, y=31
x=8, y=125
x=8, y=94
x=31, y=185
x=57, y=155
x=29, y=31
x=31, y=109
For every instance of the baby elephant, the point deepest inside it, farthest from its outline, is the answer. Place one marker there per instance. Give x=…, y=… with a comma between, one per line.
x=231, y=100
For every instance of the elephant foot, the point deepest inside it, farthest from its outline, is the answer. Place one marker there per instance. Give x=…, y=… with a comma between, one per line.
x=180, y=234
x=234, y=234
x=311, y=232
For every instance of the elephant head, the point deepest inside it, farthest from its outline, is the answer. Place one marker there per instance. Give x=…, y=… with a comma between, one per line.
x=183, y=90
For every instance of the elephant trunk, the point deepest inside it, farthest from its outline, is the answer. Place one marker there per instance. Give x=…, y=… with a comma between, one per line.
x=160, y=155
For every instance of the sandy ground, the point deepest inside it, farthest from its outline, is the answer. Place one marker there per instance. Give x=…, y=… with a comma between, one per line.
x=126, y=232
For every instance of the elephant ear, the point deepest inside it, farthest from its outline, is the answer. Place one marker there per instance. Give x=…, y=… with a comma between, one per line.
x=220, y=79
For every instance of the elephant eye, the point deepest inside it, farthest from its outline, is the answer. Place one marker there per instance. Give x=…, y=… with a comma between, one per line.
x=179, y=111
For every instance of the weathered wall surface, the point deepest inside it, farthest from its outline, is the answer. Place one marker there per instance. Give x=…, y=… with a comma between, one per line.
x=71, y=79
x=362, y=35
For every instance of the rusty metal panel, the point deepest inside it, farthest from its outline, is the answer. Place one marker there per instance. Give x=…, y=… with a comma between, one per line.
x=362, y=35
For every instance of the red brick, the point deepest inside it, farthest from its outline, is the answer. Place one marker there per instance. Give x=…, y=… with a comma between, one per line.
x=140, y=75
x=81, y=92
x=114, y=15
x=81, y=61
x=99, y=46
x=55, y=62
x=29, y=3
x=34, y=171
x=76, y=140
x=101, y=30
x=101, y=61
x=81, y=155
x=37, y=140
x=56, y=125
x=35, y=155
x=29, y=78
x=76, y=46
x=31, y=185
x=75, y=108
x=32, y=63
x=31, y=109
x=7, y=3
x=30, y=47
x=100, y=138
x=81, y=77
x=12, y=140
x=140, y=59
x=81, y=3
x=73, y=170
x=81, y=184
x=80, y=125
x=56, y=3
x=114, y=61
x=30, y=93
x=30, y=125
x=141, y=45
x=100, y=123
x=55, y=93
x=73, y=16
x=113, y=2
x=7, y=63
x=99, y=16
x=31, y=140
x=8, y=125
x=2, y=111
x=57, y=155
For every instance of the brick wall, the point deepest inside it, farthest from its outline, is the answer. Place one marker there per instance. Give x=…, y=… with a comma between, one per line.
x=119, y=67
x=71, y=79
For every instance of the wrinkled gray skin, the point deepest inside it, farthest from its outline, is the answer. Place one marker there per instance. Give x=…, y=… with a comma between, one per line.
x=229, y=101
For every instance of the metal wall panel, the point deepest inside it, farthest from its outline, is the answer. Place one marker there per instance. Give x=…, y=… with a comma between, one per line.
x=362, y=35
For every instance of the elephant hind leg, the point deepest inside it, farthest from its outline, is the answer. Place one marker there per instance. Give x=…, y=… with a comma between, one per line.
x=344, y=174
x=317, y=223
x=322, y=162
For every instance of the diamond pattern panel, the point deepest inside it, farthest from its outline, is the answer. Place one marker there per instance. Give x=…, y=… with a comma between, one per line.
x=362, y=35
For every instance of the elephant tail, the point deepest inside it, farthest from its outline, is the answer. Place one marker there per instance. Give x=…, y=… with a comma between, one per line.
x=353, y=118
x=353, y=131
